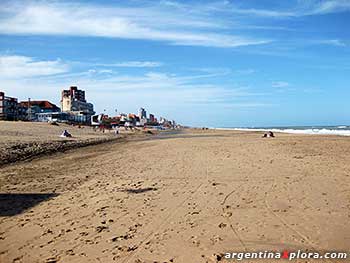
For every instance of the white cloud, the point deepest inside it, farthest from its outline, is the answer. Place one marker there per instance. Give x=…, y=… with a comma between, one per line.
x=302, y=8
x=107, y=71
x=333, y=42
x=134, y=64
x=21, y=66
x=263, y=13
x=280, y=84
x=331, y=6
x=181, y=97
x=100, y=71
x=245, y=71
x=176, y=26
x=156, y=89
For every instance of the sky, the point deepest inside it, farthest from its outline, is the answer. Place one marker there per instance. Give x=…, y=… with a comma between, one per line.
x=238, y=63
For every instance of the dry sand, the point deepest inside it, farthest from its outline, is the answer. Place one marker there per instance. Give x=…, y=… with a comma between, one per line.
x=187, y=197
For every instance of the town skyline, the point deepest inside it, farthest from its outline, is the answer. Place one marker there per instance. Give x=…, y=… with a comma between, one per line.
x=75, y=109
x=216, y=64
x=59, y=106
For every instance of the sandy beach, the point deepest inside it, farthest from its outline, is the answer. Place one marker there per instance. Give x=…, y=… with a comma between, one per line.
x=22, y=140
x=190, y=196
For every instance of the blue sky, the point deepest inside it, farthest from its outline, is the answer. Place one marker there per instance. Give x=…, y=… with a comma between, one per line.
x=214, y=63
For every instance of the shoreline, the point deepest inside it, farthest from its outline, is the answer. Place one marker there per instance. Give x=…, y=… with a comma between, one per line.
x=331, y=132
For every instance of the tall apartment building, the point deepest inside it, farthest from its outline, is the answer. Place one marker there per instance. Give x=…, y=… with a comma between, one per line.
x=8, y=107
x=74, y=102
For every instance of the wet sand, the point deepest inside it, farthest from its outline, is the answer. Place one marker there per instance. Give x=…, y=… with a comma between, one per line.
x=187, y=197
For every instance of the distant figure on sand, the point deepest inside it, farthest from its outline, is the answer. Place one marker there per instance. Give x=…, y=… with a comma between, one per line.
x=116, y=131
x=269, y=134
x=66, y=134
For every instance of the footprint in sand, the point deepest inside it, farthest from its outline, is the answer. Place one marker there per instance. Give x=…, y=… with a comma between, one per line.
x=99, y=229
x=52, y=260
x=227, y=214
x=215, y=239
x=195, y=241
x=222, y=225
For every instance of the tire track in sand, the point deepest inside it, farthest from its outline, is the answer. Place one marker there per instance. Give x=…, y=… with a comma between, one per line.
x=235, y=232
x=161, y=225
x=170, y=215
x=285, y=223
x=312, y=245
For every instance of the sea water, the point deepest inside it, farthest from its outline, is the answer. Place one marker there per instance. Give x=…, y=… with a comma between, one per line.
x=343, y=130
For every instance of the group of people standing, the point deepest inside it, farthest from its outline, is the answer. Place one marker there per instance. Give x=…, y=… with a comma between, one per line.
x=269, y=134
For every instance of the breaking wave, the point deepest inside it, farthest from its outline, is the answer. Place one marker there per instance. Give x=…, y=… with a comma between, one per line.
x=337, y=130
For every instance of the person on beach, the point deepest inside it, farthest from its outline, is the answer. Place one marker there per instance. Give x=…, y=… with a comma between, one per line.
x=269, y=134
x=66, y=134
x=116, y=131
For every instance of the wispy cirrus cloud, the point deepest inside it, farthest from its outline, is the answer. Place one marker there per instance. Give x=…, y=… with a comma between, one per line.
x=214, y=24
x=155, y=89
x=299, y=9
x=329, y=6
x=332, y=42
x=280, y=84
x=133, y=64
x=156, y=22
x=17, y=67
x=245, y=71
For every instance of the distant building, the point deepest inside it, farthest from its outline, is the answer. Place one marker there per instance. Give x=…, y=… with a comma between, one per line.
x=54, y=117
x=132, y=119
x=40, y=106
x=142, y=122
x=74, y=102
x=123, y=117
x=166, y=123
x=151, y=118
x=22, y=112
x=8, y=107
x=142, y=117
x=29, y=110
x=142, y=113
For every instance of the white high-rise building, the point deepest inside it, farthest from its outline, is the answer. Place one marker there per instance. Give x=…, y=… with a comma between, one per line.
x=73, y=102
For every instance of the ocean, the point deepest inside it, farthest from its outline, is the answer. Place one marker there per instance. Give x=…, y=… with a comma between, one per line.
x=343, y=130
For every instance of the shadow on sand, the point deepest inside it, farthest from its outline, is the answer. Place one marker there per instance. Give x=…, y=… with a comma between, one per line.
x=14, y=204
